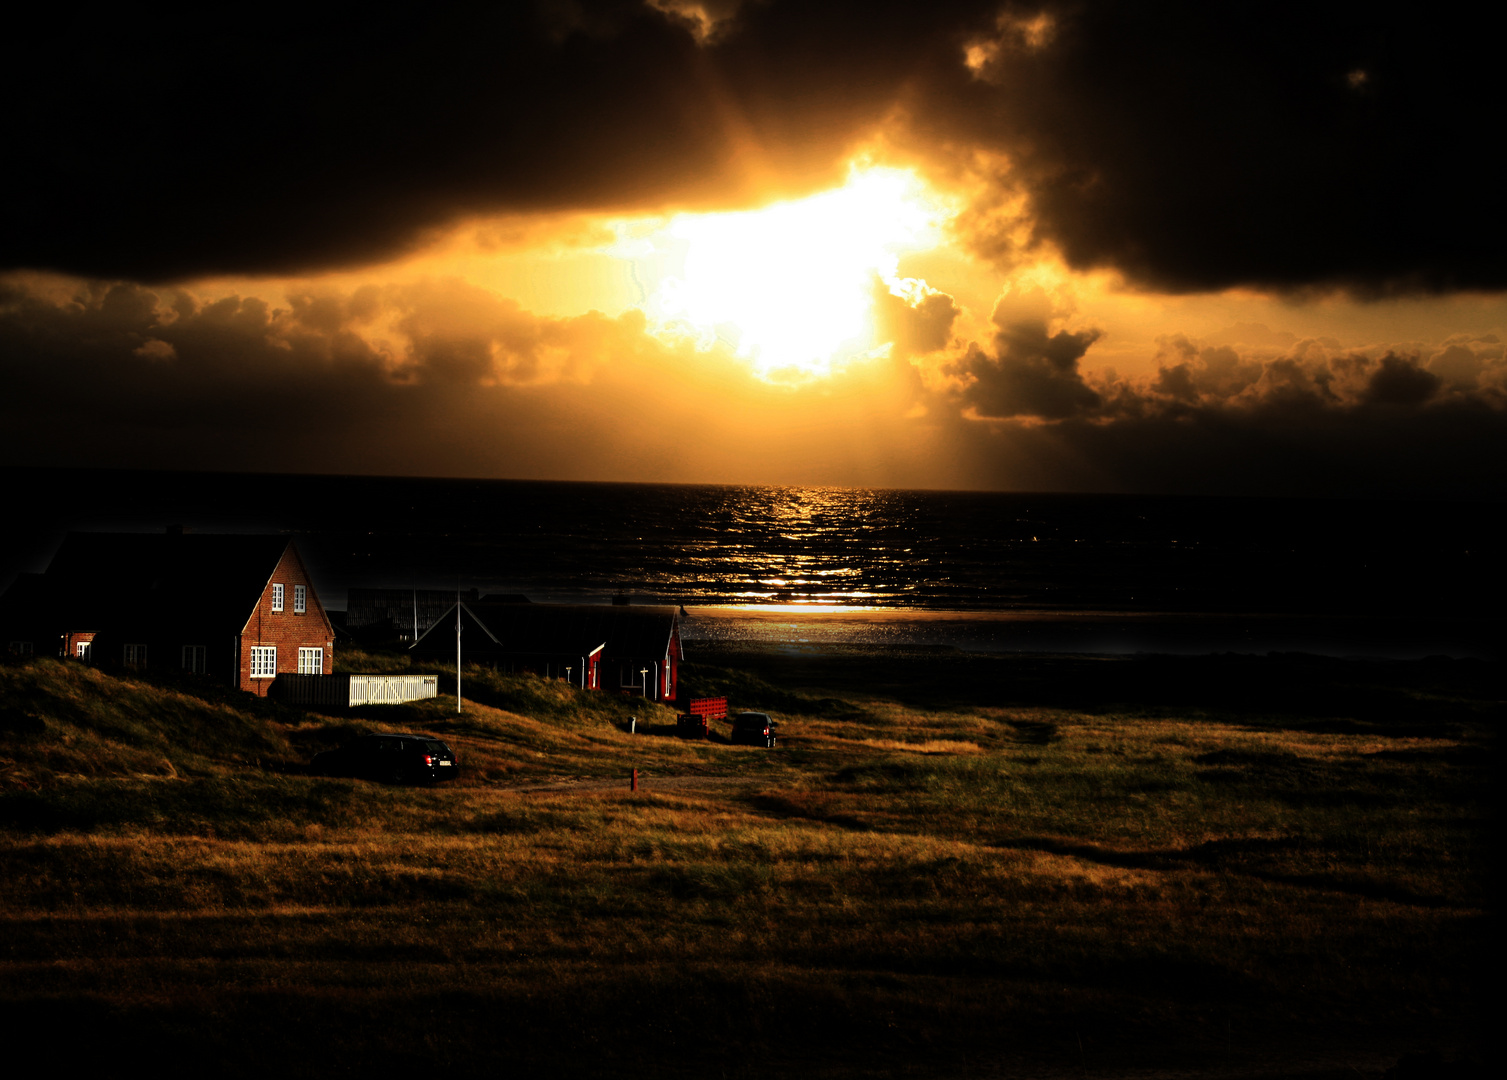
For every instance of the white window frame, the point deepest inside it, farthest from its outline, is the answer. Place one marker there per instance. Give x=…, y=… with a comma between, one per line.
x=264, y=661
x=193, y=659
x=84, y=650
x=300, y=599
x=135, y=655
x=310, y=661
x=277, y=598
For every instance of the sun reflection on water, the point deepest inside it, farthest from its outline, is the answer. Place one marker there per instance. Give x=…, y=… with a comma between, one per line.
x=814, y=554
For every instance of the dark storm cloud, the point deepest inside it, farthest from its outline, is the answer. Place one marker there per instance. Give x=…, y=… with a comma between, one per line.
x=299, y=136
x=1449, y=449
x=1315, y=420
x=124, y=355
x=1192, y=145
x=913, y=328
x=1310, y=374
x=1398, y=381
x=1196, y=146
x=1031, y=373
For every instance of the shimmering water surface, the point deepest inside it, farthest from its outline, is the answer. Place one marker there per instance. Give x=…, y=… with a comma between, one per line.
x=982, y=570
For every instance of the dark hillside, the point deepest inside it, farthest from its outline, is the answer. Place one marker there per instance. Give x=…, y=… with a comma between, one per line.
x=949, y=866
x=69, y=720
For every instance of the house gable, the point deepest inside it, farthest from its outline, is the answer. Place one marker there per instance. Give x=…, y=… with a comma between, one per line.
x=173, y=601
x=287, y=618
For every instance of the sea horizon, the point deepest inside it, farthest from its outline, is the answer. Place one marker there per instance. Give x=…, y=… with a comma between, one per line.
x=986, y=571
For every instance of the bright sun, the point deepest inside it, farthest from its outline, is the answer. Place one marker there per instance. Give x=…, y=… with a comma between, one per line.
x=790, y=286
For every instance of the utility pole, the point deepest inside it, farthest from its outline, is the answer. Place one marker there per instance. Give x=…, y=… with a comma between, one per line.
x=457, y=652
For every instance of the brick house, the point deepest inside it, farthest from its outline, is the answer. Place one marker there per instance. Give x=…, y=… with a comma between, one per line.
x=236, y=608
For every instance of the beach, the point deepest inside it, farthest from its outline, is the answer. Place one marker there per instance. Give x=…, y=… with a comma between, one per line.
x=811, y=629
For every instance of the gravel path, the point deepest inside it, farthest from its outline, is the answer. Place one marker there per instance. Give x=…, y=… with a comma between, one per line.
x=646, y=782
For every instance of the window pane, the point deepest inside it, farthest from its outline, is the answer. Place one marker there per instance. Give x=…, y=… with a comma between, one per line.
x=263, y=661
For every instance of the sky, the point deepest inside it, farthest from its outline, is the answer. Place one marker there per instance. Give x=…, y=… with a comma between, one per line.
x=1117, y=247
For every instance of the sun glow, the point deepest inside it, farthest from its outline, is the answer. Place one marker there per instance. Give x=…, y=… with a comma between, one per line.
x=790, y=286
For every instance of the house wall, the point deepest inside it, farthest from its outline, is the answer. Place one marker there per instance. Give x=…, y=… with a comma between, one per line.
x=674, y=662
x=285, y=630
x=165, y=647
x=622, y=674
x=71, y=642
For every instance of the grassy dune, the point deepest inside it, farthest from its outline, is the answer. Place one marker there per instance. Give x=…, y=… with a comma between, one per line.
x=950, y=866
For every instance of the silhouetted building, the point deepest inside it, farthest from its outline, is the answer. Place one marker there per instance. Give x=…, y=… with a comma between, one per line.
x=237, y=608
x=615, y=648
x=401, y=614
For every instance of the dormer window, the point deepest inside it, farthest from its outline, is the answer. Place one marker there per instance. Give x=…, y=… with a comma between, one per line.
x=300, y=599
x=277, y=598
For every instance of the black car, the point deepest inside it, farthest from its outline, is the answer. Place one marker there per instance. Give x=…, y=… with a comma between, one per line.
x=753, y=729
x=397, y=758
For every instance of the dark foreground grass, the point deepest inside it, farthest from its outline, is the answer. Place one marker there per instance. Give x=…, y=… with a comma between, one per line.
x=965, y=877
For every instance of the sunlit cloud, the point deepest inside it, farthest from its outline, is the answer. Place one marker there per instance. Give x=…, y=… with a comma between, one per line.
x=790, y=287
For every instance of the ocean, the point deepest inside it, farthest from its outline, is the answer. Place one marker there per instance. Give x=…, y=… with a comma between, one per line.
x=820, y=566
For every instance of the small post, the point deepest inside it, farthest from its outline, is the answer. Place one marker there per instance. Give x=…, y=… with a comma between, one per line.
x=457, y=652
x=633, y=725
x=633, y=781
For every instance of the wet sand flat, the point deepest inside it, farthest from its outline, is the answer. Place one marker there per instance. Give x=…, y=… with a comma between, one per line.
x=1114, y=633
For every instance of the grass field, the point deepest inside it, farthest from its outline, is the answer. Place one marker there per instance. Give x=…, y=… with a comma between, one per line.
x=952, y=865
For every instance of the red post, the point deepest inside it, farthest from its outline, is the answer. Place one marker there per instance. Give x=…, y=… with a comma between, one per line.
x=633, y=781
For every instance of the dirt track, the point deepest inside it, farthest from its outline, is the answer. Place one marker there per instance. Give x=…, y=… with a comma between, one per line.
x=647, y=782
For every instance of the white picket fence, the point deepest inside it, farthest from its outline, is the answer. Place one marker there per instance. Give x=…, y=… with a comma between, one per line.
x=392, y=689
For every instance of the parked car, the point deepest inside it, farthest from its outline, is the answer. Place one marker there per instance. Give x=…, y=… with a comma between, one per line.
x=394, y=757
x=753, y=729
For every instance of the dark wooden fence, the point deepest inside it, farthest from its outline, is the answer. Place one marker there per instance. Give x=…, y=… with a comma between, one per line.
x=713, y=708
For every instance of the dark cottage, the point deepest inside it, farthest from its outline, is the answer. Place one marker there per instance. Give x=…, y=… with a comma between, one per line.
x=614, y=648
x=237, y=608
x=398, y=614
